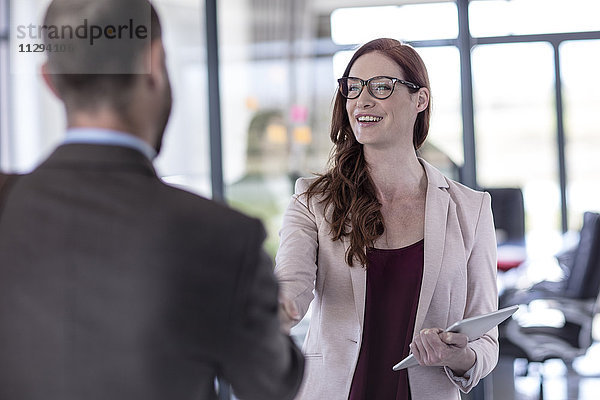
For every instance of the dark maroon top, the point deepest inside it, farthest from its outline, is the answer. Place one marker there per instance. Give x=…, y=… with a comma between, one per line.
x=393, y=287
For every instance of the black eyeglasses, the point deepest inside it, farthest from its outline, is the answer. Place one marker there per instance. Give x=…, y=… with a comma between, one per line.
x=380, y=87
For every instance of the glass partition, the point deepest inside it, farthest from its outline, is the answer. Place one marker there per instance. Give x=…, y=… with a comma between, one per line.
x=444, y=145
x=525, y=17
x=276, y=99
x=403, y=22
x=185, y=158
x=515, y=123
x=580, y=63
x=36, y=122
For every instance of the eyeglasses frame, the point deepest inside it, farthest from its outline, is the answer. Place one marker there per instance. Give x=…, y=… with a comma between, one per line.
x=366, y=83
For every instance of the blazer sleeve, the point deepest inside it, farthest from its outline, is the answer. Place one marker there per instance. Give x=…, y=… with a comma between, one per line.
x=261, y=362
x=482, y=296
x=296, y=260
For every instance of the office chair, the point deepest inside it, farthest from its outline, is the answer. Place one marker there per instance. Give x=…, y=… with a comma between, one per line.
x=581, y=266
x=509, y=215
x=576, y=299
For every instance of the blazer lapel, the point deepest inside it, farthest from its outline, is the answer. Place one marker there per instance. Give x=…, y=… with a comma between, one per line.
x=358, y=275
x=436, y=215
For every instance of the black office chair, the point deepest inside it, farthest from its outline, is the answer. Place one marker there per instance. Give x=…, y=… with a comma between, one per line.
x=509, y=214
x=576, y=298
x=581, y=266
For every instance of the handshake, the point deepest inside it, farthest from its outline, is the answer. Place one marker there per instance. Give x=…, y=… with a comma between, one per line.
x=288, y=313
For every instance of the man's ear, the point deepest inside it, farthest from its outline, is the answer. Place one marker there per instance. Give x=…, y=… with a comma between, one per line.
x=156, y=62
x=48, y=80
x=423, y=99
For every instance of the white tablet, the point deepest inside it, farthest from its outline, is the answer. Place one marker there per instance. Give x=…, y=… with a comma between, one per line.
x=473, y=327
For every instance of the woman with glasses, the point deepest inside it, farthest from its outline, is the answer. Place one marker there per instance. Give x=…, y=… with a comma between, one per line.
x=387, y=249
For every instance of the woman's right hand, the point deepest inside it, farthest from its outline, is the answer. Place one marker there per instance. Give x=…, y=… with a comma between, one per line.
x=288, y=314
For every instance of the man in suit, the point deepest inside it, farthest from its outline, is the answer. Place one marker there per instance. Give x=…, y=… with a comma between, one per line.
x=114, y=285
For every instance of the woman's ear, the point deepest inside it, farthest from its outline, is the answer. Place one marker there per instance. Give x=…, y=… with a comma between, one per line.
x=422, y=99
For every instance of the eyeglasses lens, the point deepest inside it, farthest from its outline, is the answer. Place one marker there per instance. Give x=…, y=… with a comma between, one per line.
x=350, y=88
x=380, y=88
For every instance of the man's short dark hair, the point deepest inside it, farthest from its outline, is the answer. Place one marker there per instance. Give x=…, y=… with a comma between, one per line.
x=97, y=48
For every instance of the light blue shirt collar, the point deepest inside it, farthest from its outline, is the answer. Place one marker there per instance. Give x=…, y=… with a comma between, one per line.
x=109, y=137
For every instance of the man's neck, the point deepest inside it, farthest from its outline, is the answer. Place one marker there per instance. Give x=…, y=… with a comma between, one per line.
x=105, y=118
x=101, y=119
x=101, y=136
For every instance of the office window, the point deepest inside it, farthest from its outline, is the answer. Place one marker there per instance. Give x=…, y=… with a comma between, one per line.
x=4, y=82
x=275, y=102
x=515, y=124
x=580, y=63
x=523, y=17
x=407, y=22
x=185, y=158
x=445, y=132
x=33, y=123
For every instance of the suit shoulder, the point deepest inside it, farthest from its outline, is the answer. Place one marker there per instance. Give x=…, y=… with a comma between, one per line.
x=460, y=190
x=190, y=205
x=302, y=184
x=316, y=203
x=469, y=202
x=5, y=178
x=461, y=194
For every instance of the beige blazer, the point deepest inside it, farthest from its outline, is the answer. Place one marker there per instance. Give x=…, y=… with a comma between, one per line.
x=459, y=281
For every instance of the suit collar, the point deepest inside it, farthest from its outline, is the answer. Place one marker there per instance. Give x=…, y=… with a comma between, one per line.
x=91, y=156
x=437, y=203
x=358, y=275
x=109, y=137
x=434, y=177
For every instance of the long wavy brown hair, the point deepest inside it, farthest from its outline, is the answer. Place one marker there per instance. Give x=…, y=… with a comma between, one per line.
x=347, y=186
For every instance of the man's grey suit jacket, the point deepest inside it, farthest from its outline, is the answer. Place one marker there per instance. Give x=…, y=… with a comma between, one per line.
x=115, y=286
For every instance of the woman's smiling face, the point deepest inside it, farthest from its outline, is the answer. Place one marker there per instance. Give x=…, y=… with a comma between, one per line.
x=382, y=123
